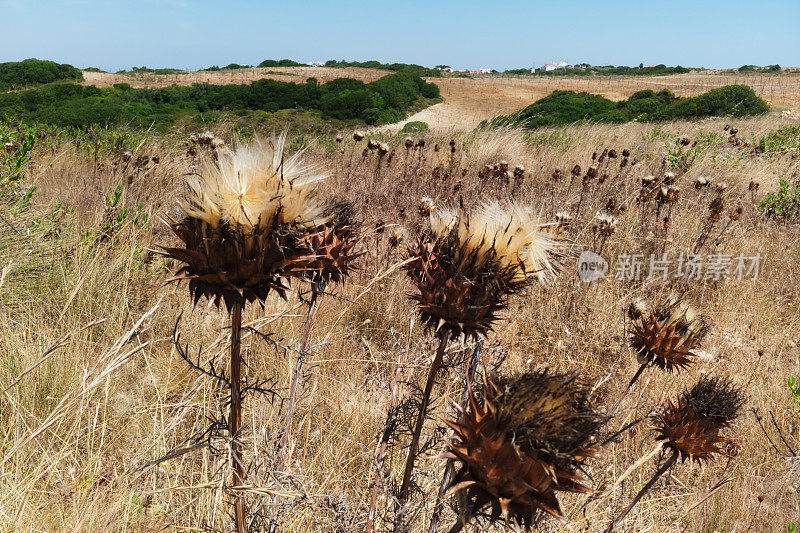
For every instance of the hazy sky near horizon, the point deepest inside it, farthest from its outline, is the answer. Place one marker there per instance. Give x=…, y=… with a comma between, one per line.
x=190, y=34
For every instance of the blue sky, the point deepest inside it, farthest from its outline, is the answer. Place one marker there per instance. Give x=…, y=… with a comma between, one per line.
x=113, y=34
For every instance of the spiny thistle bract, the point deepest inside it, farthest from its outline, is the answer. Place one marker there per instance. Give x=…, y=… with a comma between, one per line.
x=667, y=335
x=523, y=442
x=691, y=425
x=472, y=261
x=251, y=219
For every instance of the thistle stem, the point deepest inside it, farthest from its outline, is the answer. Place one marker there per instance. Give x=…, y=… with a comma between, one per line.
x=384, y=441
x=412, y=450
x=613, y=409
x=449, y=468
x=666, y=466
x=287, y=428
x=235, y=418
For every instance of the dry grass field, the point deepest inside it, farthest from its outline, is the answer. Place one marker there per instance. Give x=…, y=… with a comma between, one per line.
x=467, y=101
x=224, y=77
x=103, y=424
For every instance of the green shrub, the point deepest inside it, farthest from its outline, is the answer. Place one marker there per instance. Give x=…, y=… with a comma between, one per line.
x=783, y=203
x=30, y=72
x=415, y=127
x=784, y=139
x=566, y=107
x=385, y=100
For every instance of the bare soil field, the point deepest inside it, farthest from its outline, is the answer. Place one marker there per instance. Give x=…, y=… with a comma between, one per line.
x=224, y=77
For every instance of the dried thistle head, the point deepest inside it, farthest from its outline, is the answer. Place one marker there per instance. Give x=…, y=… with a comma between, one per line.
x=521, y=443
x=668, y=334
x=606, y=224
x=330, y=252
x=471, y=261
x=246, y=216
x=691, y=425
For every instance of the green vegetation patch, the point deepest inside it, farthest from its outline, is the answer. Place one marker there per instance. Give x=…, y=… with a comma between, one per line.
x=566, y=107
x=31, y=72
x=416, y=70
x=383, y=101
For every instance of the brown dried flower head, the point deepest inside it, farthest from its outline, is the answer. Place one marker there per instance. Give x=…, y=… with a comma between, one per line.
x=668, y=334
x=691, y=425
x=523, y=441
x=251, y=221
x=469, y=264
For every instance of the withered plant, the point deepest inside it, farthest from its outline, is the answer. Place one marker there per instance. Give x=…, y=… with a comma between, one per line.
x=464, y=270
x=251, y=222
x=690, y=428
x=521, y=441
x=664, y=336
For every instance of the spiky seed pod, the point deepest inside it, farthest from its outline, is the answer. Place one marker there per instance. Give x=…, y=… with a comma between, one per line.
x=425, y=206
x=716, y=207
x=472, y=261
x=623, y=163
x=339, y=138
x=722, y=187
x=691, y=425
x=647, y=181
x=606, y=224
x=503, y=166
x=383, y=149
x=753, y=186
x=602, y=179
x=331, y=251
x=701, y=182
x=594, y=156
x=421, y=143
x=409, y=142
x=669, y=178
x=736, y=214
x=667, y=336
x=358, y=135
x=396, y=239
x=591, y=173
x=576, y=170
x=626, y=153
x=452, y=143
x=611, y=205
x=612, y=154
x=372, y=144
x=556, y=175
x=436, y=148
x=564, y=219
x=636, y=309
x=246, y=219
x=524, y=442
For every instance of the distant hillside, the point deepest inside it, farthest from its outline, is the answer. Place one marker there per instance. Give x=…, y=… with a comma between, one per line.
x=32, y=72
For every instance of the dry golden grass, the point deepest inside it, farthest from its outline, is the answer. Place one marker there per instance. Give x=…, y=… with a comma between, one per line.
x=91, y=395
x=467, y=101
x=225, y=77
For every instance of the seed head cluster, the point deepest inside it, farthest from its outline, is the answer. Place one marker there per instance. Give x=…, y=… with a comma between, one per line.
x=251, y=221
x=667, y=335
x=691, y=425
x=523, y=442
x=470, y=262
